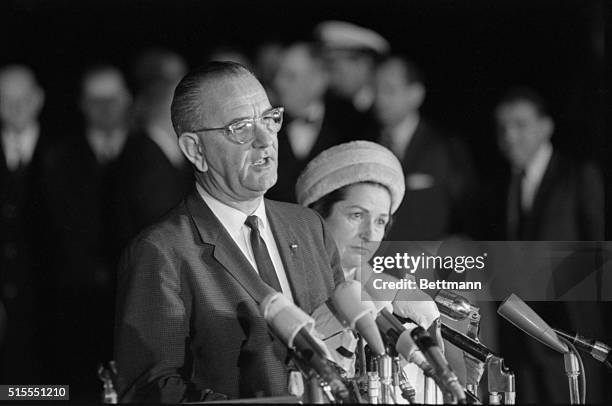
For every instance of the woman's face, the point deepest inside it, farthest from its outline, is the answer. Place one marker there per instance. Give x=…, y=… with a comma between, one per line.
x=360, y=218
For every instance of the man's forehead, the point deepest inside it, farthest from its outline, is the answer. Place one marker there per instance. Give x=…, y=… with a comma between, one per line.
x=104, y=84
x=16, y=82
x=233, y=92
x=518, y=107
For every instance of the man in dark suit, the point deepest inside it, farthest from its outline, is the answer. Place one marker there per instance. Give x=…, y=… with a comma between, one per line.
x=189, y=286
x=151, y=162
x=315, y=119
x=77, y=179
x=549, y=198
x=438, y=169
x=21, y=266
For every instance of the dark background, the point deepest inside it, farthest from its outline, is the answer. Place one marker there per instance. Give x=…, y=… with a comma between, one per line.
x=470, y=51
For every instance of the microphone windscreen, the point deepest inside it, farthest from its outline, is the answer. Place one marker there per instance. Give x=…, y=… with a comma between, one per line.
x=284, y=318
x=522, y=316
x=348, y=302
x=358, y=312
x=405, y=344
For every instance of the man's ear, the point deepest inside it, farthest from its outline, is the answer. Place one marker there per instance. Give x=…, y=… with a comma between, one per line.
x=548, y=127
x=417, y=94
x=192, y=148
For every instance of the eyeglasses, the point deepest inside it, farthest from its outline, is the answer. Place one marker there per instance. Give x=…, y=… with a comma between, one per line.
x=243, y=131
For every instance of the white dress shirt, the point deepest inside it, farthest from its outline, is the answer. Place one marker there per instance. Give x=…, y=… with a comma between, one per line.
x=303, y=134
x=106, y=147
x=534, y=172
x=233, y=221
x=397, y=138
x=19, y=147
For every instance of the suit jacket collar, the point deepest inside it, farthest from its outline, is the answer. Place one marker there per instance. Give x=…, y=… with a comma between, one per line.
x=414, y=151
x=292, y=256
x=225, y=251
x=548, y=180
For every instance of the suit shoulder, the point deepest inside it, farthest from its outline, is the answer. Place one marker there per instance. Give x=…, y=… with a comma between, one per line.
x=167, y=229
x=293, y=211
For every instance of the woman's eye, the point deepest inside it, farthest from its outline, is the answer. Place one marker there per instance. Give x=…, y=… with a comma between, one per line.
x=355, y=216
x=381, y=222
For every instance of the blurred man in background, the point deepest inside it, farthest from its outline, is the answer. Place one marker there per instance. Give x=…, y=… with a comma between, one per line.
x=351, y=53
x=315, y=120
x=549, y=197
x=77, y=179
x=154, y=175
x=438, y=169
x=21, y=149
x=267, y=59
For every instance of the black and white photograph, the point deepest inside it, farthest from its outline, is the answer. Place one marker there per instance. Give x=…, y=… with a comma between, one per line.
x=234, y=201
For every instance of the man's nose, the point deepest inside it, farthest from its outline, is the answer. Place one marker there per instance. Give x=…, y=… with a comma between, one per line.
x=263, y=136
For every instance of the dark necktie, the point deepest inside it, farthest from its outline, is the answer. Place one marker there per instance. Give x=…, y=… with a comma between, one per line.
x=515, y=207
x=262, y=257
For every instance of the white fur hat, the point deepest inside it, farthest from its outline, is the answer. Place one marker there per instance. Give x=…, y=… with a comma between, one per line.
x=345, y=35
x=348, y=163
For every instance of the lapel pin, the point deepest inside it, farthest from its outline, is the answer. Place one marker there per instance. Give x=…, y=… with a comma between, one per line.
x=293, y=246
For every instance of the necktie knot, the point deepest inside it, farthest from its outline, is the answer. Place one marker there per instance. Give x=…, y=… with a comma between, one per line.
x=252, y=222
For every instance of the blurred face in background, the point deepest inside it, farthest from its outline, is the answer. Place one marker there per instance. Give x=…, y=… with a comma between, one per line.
x=396, y=97
x=20, y=99
x=357, y=222
x=300, y=80
x=158, y=74
x=521, y=131
x=349, y=71
x=106, y=100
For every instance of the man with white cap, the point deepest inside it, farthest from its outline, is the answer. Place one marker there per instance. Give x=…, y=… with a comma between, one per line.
x=77, y=179
x=314, y=119
x=351, y=51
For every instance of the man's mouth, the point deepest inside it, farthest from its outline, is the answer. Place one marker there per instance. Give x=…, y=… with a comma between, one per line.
x=264, y=161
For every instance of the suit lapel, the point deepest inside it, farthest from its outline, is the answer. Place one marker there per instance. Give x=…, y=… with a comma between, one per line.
x=291, y=255
x=225, y=250
x=415, y=148
x=541, y=196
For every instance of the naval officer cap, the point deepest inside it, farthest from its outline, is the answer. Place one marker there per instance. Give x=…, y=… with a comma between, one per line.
x=345, y=36
x=349, y=163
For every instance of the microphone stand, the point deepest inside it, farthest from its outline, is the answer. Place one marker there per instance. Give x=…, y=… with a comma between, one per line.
x=501, y=381
x=316, y=390
x=385, y=371
x=572, y=370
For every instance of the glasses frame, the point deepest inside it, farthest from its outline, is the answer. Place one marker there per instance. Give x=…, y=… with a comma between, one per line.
x=229, y=132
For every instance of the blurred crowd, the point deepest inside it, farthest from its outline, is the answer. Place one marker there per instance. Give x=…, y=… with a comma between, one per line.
x=69, y=205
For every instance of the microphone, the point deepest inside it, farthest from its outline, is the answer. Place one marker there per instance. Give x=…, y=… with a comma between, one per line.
x=467, y=344
x=399, y=336
x=453, y=305
x=434, y=356
x=358, y=314
x=295, y=329
x=597, y=349
x=523, y=317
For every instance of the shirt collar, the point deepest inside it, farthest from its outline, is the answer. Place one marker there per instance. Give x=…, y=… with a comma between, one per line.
x=25, y=140
x=232, y=218
x=401, y=134
x=536, y=167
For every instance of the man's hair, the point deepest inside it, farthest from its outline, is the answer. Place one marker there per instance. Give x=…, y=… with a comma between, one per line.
x=96, y=69
x=186, y=110
x=525, y=94
x=412, y=73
